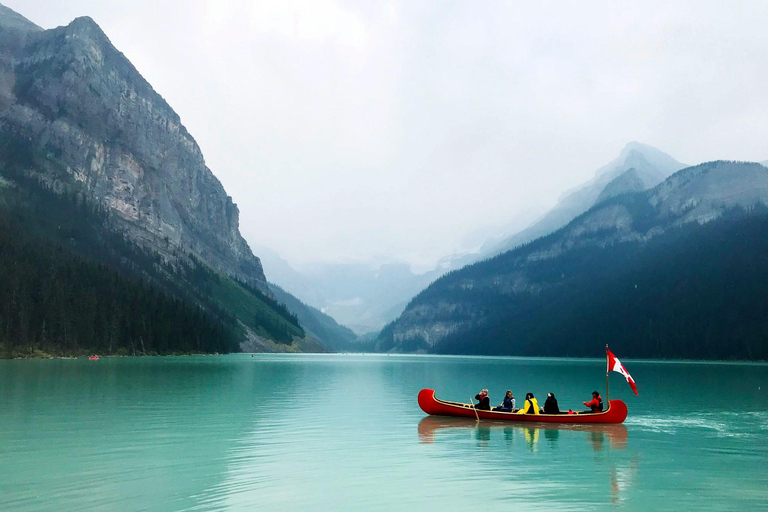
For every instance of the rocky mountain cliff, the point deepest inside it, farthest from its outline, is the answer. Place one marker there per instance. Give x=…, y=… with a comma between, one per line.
x=661, y=273
x=77, y=116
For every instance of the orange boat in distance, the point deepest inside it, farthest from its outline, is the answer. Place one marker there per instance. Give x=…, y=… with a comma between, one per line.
x=615, y=413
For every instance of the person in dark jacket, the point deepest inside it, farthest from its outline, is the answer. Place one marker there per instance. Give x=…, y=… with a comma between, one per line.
x=484, y=399
x=508, y=405
x=596, y=404
x=550, y=405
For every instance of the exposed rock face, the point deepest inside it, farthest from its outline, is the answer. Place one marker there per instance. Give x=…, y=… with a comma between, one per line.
x=460, y=301
x=96, y=126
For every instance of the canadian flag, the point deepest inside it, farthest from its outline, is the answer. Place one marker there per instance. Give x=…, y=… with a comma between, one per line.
x=614, y=365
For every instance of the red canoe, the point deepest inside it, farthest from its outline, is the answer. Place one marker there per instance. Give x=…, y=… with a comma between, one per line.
x=616, y=412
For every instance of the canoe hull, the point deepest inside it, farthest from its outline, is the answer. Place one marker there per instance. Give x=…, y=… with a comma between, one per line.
x=615, y=413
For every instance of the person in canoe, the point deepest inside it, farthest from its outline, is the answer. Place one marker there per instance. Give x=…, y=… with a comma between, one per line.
x=531, y=406
x=550, y=405
x=508, y=405
x=484, y=399
x=596, y=404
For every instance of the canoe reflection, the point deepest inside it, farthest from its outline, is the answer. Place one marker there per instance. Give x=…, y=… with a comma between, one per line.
x=597, y=434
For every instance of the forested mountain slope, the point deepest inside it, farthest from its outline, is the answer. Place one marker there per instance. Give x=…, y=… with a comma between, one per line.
x=74, y=283
x=677, y=271
x=97, y=168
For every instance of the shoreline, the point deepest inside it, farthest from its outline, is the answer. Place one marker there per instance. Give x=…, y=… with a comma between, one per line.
x=41, y=355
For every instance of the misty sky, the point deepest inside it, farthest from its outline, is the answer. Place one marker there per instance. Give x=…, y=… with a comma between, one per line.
x=374, y=131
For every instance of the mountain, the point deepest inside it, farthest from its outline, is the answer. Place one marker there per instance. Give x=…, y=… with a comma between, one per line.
x=13, y=20
x=83, y=119
x=74, y=284
x=316, y=323
x=79, y=124
x=651, y=167
x=57, y=301
x=628, y=181
x=367, y=297
x=676, y=271
x=363, y=297
x=288, y=278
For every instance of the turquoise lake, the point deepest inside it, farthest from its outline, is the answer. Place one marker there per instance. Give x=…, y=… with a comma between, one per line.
x=344, y=432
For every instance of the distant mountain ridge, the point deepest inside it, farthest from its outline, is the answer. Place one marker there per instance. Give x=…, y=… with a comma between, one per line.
x=628, y=181
x=318, y=324
x=366, y=298
x=651, y=167
x=698, y=236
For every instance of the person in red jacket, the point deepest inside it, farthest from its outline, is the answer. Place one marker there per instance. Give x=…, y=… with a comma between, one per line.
x=596, y=404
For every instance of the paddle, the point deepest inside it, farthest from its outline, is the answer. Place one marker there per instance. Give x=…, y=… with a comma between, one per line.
x=472, y=403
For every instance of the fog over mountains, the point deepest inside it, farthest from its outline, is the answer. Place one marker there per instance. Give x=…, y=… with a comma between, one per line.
x=366, y=297
x=668, y=272
x=650, y=165
x=100, y=178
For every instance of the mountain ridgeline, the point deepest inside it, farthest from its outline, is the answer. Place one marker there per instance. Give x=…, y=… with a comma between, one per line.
x=366, y=298
x=117, y=237
x=638, y=167
x=677, y=271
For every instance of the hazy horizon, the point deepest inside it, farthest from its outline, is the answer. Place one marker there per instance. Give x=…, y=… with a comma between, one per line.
x=394, y=131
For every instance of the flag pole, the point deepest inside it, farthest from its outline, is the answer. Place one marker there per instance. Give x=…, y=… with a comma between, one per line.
x=607, y=384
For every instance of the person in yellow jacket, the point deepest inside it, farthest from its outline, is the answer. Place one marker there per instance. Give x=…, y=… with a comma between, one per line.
x=531, y=406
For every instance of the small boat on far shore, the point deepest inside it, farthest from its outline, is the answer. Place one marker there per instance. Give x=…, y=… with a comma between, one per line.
x=615, y=413
x=93, y=358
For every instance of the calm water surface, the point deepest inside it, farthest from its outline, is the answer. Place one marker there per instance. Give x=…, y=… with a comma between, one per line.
x=335, y=432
